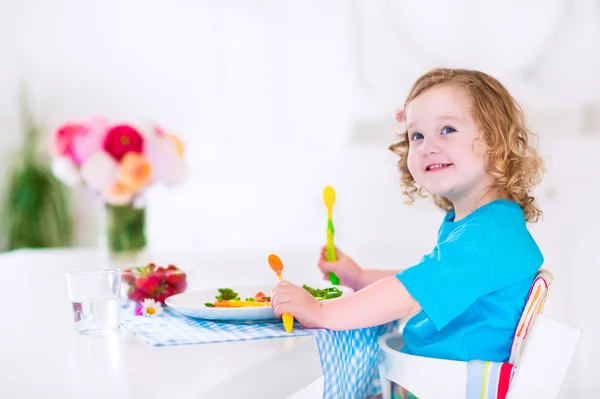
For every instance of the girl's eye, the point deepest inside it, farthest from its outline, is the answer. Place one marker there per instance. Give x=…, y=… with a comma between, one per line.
x=448, y=129
x=416, y=136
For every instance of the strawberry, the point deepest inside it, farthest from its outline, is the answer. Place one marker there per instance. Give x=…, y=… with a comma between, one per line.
x=175, y=278
x=171, y=290
x=160, y=272
x=166, y=291
x=141, y=281
x=128, y=277
x=148, y=284
x=172, y=267
x=180, y=287
x=136, y=295
x=161, y=297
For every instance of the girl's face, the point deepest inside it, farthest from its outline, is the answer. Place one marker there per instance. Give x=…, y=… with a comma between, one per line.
x=443, y=156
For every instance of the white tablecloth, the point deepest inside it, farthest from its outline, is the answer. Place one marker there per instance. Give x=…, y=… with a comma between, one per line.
x=41, y=355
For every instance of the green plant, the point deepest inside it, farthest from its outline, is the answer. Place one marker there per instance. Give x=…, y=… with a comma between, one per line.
x=35, y=209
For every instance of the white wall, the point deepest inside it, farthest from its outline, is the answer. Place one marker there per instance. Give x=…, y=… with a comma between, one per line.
x=275, y=100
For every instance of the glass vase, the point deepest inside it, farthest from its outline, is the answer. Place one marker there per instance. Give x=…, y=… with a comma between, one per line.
x=125, y=235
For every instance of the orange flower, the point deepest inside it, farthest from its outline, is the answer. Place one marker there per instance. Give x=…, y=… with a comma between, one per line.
x=118, y=194
x=134, y=171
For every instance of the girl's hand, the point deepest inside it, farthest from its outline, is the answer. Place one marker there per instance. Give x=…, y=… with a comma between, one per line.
x=344, y=267
x=289, y=298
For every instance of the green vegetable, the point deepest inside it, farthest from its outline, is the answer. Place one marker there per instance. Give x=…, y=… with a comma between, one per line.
x=325, y=293
x=227, y=294
x=209, y=305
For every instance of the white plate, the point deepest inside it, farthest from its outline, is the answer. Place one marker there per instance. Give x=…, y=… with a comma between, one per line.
x=192, y=303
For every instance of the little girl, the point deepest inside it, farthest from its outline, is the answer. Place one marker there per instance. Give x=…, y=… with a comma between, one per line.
x=467, y=145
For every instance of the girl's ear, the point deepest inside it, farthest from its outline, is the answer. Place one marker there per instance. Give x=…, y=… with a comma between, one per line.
x=480, y=146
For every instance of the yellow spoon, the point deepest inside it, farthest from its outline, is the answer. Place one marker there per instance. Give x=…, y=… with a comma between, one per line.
x=329, y=199
x=277, y=266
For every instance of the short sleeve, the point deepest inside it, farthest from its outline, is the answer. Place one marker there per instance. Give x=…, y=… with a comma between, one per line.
x=450, y=279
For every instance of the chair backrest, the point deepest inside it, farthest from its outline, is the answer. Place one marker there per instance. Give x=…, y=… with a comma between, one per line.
x=541, y=351
x=540, y=288
x=545, y=360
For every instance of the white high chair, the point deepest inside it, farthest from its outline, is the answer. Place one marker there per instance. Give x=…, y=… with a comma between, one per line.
x=541, y=354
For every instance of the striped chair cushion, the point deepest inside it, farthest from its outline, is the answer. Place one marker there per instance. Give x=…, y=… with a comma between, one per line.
x=534, y=305
x=488, y=380
x=485, y=380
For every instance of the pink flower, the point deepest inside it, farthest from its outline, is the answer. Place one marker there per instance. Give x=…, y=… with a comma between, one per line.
x=122, y=139
x=139, y=309
x=78, y=141
x=63, y=139
x=159, y=132
x=167, y=166
x=90, y=141
x=400, y=115
x=99, y=171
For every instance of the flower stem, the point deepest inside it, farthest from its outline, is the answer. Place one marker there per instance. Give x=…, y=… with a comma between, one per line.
x=126, y=228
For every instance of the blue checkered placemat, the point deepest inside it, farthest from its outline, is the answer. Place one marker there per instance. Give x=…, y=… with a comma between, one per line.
x=348, y=358
x=173, y=328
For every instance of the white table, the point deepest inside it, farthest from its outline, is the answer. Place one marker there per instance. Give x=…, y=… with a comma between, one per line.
x=42, y=356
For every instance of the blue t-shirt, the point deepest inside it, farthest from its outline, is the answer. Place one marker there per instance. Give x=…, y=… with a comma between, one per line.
x=473, y=286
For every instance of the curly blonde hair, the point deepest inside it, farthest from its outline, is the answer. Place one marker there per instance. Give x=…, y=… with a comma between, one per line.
x=514, y=162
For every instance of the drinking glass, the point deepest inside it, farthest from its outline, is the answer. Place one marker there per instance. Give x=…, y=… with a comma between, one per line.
x=95, y=297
